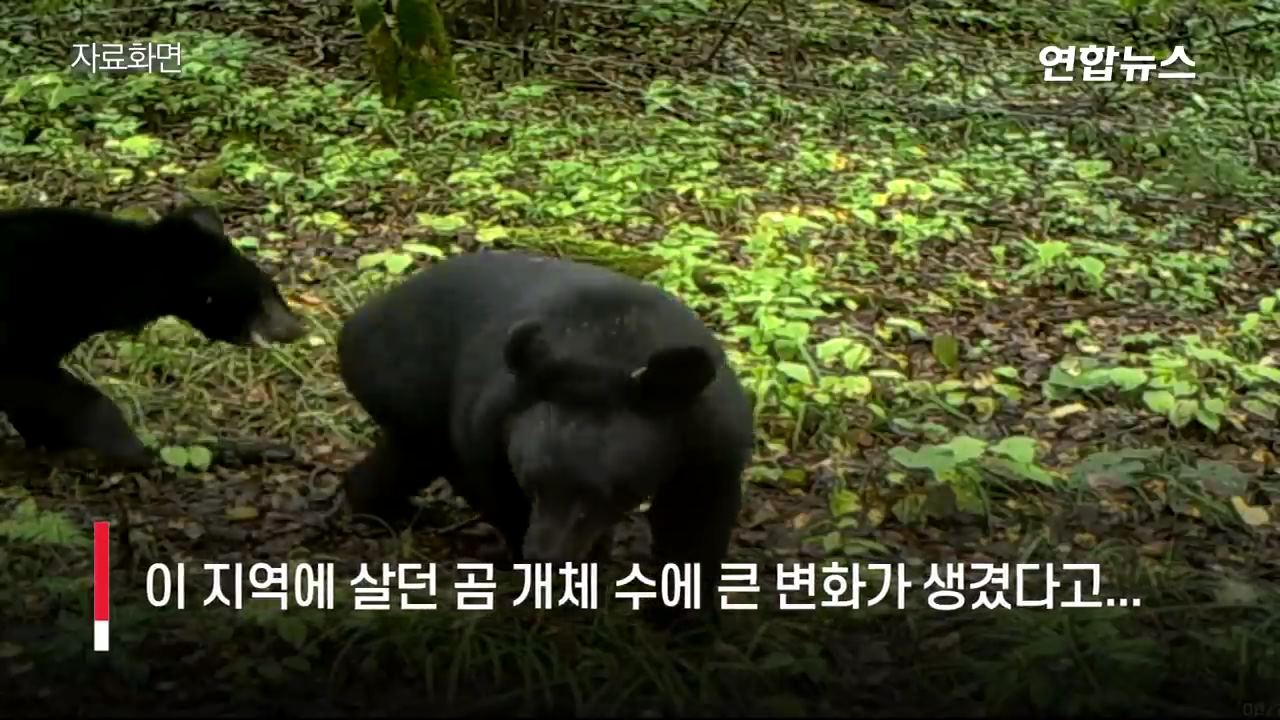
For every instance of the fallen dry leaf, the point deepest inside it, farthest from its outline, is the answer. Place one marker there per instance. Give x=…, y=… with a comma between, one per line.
x=1065, y=410
x=1251, y=515
x=244, y=512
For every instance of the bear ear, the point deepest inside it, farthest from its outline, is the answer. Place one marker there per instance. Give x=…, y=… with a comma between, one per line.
x=526, y=348
x=677, y=374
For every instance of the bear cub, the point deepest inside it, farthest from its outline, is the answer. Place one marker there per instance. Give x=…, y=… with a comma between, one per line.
x=67, y=274
x=554, y=397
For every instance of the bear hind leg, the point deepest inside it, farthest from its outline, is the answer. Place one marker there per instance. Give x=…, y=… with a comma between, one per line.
x=57, y=411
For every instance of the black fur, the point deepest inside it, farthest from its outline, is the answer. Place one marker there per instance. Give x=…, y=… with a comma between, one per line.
x=555, y=397
x=68, y=274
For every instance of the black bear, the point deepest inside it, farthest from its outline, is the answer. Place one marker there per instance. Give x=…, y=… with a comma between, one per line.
x=67, y=274
x=555, y=397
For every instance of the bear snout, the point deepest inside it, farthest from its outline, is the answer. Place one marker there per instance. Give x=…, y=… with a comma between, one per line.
x=276, y=323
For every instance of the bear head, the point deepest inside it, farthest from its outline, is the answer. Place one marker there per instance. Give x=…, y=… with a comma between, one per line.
x=226, y=296
x=589, y=441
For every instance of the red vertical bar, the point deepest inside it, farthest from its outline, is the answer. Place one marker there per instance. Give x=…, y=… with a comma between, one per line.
x=101, y=571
